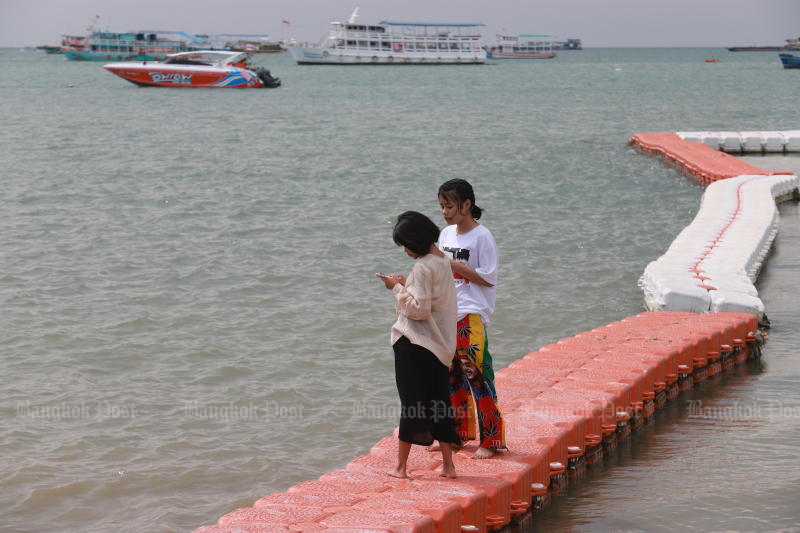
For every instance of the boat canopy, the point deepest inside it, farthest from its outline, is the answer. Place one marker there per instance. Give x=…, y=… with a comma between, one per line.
x=207, y=57
x=186, y=35
x=191, y=37
x=261, y=36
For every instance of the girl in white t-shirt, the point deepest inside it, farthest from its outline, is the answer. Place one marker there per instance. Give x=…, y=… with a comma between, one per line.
x=474, y=261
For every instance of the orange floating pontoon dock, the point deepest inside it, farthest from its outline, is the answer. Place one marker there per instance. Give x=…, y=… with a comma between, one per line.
x=696, y=158
x=566, y=406
x=600, y=385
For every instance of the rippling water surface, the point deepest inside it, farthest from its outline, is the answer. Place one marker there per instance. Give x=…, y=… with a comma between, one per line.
x=188, y=310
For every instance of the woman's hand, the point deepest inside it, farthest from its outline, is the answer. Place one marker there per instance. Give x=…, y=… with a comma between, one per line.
x=390, y=280
x=468, y=273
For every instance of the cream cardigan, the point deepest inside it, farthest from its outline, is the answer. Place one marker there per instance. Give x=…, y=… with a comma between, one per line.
x=426, y=307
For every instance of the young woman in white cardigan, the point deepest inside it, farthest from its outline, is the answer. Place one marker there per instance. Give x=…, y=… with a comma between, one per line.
x=424, y=342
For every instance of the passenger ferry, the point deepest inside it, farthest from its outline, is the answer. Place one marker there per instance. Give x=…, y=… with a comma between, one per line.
x=133, y=46
x=395, y=43
x=522, y=46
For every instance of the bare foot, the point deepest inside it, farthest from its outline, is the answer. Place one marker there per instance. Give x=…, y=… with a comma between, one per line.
x=448, y=472
x=398, y=473
x=483, y=453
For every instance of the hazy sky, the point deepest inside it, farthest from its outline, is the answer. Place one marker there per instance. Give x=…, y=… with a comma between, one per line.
x=598, y=22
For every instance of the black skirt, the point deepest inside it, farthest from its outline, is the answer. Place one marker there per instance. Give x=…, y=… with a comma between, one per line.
x=423, y=383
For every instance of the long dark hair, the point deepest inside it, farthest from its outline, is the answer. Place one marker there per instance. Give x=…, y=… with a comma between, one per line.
x=459, y=191
x=416, y=232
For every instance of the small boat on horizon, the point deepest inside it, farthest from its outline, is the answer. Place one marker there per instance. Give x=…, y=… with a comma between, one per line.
x=713, y=60
x=790, y=46
x=790, y=60
x=197, y=69
x=569, y=44
x=50, y=48
x=253, y=43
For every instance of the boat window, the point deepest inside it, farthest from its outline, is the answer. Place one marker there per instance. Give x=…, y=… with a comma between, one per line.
x=185, y=61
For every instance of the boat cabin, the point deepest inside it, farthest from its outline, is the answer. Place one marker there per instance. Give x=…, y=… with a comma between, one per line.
x=399, y=37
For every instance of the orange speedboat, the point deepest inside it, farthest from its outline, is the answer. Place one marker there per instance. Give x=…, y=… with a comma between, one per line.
x=713, y=60
x=202, y=68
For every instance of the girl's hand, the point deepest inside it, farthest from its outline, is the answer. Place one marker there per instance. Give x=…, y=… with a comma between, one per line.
x=390, y=280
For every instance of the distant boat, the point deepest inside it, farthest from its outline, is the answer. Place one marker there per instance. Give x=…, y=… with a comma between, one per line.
x=134, y=46
x=713, y=60
x=203, y=68
x=79, y=43
x=49, y=48
x=569, y=44
x=522, y=46
x=253, y=43
x=394, y=43
x=256, y=47
x=755, y=48
x=790, y=60
x=790, y=46
x=75, y=43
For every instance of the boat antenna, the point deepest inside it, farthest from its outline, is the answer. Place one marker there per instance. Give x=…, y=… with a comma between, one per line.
x=353, y=16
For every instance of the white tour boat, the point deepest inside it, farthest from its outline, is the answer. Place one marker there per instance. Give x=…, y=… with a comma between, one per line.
x=395, y=43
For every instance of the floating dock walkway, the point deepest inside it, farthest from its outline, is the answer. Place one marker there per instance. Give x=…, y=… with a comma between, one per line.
x=570, y=403
x=714, y=262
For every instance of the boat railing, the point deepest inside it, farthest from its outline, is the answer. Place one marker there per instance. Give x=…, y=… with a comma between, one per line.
x=117, y=45
x=399, y=43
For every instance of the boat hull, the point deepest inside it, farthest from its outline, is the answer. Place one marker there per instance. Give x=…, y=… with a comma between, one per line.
x=317, y=56
x=755, y=48
x=157, y=75
x=511, y=55
x=50, y=49
x=790, y=61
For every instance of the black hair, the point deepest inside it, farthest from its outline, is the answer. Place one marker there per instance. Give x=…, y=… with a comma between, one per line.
x=416, y=232
x=459, y=191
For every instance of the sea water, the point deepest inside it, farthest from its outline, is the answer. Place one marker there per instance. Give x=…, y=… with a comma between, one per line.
x=189, y=317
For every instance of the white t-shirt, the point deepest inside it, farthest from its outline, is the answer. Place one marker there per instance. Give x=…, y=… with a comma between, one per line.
x=478, y=249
